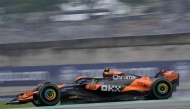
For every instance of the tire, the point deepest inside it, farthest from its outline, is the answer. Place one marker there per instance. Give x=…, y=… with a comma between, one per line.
x=161, y=89
x=35, y=103
x=49, y=95
x=38, y=87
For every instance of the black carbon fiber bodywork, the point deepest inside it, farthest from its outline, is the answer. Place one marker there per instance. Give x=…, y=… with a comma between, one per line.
x=79, y=94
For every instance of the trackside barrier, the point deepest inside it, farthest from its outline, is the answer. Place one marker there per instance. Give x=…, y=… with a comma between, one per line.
x=32, y=75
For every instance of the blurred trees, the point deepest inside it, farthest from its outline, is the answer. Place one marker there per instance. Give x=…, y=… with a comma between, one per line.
x=24, y=6
x=175, y=6
x=149, y=3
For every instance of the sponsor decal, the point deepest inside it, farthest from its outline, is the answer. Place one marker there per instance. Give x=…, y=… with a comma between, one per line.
x=111, y=88
x=69, y=85
x=24, y=76
x=140, y=83
x=67, y=88
x=73, y=97
x=116, y=77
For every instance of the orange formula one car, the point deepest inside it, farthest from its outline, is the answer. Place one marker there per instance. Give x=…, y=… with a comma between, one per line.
x=114, y=86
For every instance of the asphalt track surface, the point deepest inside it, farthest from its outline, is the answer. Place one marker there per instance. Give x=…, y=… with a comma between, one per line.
x=179, y=100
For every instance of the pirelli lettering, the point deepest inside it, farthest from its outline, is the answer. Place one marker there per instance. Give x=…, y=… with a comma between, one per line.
x=111, y=88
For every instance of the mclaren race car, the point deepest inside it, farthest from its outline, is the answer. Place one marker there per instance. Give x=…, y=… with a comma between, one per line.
x=114, y=86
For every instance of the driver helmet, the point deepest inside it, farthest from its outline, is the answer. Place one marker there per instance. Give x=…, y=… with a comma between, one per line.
x=106, y=69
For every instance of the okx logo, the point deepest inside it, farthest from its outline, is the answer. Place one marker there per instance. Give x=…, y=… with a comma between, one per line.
x=110, y=88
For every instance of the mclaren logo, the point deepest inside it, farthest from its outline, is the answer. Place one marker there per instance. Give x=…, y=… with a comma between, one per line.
x=110, y=88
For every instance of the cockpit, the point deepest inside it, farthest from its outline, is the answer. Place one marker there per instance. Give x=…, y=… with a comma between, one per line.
x=85, y=80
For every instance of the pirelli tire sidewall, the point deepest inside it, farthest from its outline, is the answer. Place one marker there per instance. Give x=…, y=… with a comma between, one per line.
x=43, y=92
x=161, y=89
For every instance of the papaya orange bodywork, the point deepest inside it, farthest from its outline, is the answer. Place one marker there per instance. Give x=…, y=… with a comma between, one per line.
x=60, y=86
x=80, y=77
x=29, y=94
x=112, y=73
x=26, y=96
x=171, y=76
x=138, y=84
x=92, y=86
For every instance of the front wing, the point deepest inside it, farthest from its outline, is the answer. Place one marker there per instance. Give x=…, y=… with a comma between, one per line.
x=23, y=98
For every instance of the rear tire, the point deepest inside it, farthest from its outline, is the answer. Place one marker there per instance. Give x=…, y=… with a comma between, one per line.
x=161, y=89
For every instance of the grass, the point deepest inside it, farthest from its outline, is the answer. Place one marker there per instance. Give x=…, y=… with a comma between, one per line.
x=3, y=106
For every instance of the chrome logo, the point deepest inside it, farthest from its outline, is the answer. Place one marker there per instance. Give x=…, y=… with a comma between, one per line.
x=50, y=94
x=162, y=88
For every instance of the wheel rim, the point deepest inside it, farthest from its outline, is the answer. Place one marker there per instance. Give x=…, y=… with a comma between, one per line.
x=50, y=94
x=162, y=88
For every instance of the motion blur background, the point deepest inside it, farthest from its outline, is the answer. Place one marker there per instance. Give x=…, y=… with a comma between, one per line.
x=58, y=40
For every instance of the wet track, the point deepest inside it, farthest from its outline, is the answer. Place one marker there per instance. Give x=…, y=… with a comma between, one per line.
x=179, y=100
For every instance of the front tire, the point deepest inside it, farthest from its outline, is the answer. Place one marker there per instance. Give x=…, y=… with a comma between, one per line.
x=49, y=95
x=36, y=103
x=161, y=89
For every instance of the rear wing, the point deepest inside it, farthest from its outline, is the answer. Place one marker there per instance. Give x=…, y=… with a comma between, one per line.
x=173, y=78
